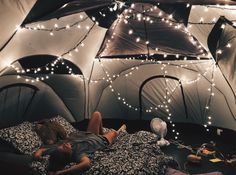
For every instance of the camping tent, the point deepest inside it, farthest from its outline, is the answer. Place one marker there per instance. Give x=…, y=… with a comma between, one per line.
x=127, y=59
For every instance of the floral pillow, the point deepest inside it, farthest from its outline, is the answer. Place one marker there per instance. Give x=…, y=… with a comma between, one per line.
x=40, y=167
x=22, y=137
x=66, y=125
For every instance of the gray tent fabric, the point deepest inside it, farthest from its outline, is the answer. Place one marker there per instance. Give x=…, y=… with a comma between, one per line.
x=133, y=81
x=22, y=101
x=151, y=36
x=221, y=42
x=12, y=14
x=227, y=60
x=45, y=10
x=123, y=94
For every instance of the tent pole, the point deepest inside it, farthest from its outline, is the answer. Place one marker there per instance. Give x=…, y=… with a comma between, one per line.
x=146, y=34
x=8, y=41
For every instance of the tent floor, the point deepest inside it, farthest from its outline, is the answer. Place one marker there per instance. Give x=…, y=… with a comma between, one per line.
x=189, y=135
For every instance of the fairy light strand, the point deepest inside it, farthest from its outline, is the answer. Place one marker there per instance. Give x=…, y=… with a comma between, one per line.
x=207, y=111
x=163, y=105
x=56, y=27
x=138, y=38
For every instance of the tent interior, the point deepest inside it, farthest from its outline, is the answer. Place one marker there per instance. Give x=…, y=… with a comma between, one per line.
x=131, y=60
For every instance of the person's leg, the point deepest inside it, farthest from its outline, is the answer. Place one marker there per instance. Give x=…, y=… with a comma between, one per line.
x=112, y=134
x=95, y=123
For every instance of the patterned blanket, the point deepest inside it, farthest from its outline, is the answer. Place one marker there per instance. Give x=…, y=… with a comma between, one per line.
x=136, y=154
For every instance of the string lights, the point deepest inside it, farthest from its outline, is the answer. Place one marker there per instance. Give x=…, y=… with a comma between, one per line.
x=129, y=14
x=52, y=66
x=133, y=14
x=164, y=106
x=208, y=104
x=206, y=20
x=56, y=28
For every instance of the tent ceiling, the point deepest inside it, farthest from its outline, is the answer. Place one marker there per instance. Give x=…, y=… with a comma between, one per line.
x=193, y=2
x=45, y=10
x=140, y=30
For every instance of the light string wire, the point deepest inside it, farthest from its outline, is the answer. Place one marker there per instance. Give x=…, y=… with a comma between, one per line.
x=54, y=62
x=56, y=27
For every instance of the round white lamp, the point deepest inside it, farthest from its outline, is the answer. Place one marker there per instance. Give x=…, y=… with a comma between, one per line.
x=159, y=127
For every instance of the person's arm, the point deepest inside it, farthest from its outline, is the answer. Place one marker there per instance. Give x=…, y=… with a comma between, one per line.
x=43, y=151
x=82, y=165
x=38, y=154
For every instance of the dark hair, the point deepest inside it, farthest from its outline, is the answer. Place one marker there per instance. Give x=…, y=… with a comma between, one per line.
x=59, y=159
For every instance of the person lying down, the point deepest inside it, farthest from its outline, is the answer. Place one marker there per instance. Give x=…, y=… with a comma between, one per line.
x=77, y=146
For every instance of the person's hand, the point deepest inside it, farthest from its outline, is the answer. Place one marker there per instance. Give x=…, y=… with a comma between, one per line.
x=37, y=158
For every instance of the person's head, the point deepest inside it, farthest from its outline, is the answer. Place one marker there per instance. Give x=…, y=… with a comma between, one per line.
x=60, y=157
x=50, y=132
x=46, y=133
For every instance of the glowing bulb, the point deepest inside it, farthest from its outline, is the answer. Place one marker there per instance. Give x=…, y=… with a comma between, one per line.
x=139, y=15
x=219, y=51
x=130, y=32
x=228, y=45
x=222, y=26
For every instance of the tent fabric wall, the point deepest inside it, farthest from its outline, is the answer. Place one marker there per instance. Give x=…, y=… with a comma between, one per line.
x=28, y=42
x=45, y=103
x=227, y=60
x=210, y=15
x=221, y=42
x=112, y=86
x=71, y=92
x=160, y=35
x=127, y=86
x=12, y=14
x=18, y=95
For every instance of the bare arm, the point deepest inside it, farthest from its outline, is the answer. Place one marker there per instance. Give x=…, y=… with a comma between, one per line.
x=82, y=165
x=38, y=154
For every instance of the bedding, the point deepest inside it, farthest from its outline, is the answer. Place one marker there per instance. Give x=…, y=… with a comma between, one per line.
x=135, y=153
x=22, y=137
x=65, y=124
